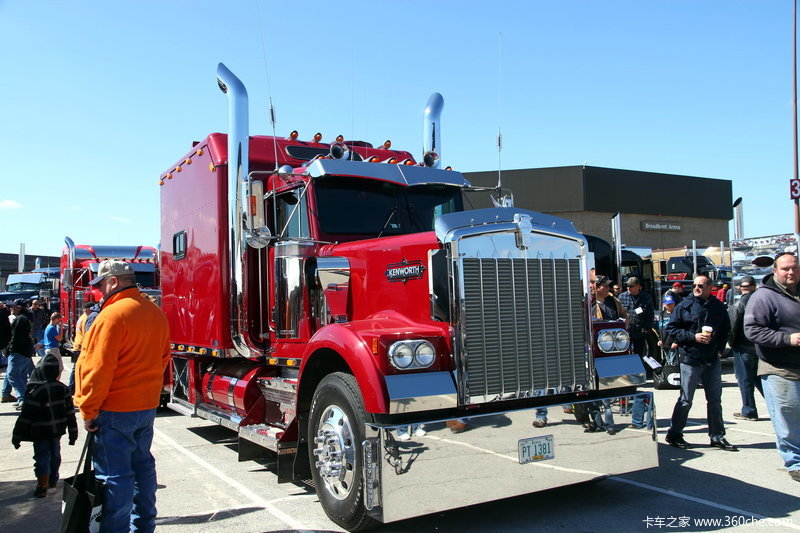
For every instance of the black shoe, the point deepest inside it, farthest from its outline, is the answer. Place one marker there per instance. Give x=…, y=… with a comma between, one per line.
x=678, y=442
x=41, y=491
x=611, y=431
x=740, y=416
x=723, y=444
x=795, y=474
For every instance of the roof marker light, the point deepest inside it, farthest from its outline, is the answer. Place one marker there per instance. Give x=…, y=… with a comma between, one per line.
x=392, y=160
x=340, y=138
x=373, y=159
x=293, y=136
x=317, y=137
x=188, y=161
x=178, y=169
x=387, y=144
x=199, y=151
x=408, y=161
x=169, y=175
x=211, y=167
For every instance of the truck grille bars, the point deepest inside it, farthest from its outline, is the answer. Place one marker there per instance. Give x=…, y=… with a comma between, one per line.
x=523, y=328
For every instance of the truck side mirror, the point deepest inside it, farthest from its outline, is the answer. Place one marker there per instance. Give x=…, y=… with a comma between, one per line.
x=258, y=234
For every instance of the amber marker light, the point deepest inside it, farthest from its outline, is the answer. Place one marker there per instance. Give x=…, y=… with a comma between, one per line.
x=188, y=161
x=373, y=159
x=317, y=137
x=273, y=361
x=211, y=167
x=340, y=138
x=448, y=168
x=387, y=144
x=408, y=162
x=199, y=151
x=161, y=182
x=178, y=169
x=375, y=346
x=169, y=175
x=291, y=362
x=294, y=135
x=392, y=161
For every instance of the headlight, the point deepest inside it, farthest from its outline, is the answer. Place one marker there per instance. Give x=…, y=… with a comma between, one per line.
x=425, y=354
x=613, y=340
x=405, y=355
x=401, y=355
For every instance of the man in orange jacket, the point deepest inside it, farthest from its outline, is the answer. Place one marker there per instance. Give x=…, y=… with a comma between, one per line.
x=118, y=386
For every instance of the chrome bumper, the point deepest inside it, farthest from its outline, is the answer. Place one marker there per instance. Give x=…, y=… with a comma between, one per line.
x=446, y=470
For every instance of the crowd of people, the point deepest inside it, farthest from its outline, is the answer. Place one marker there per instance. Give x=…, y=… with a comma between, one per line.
x=120, y=350
x=762, y=330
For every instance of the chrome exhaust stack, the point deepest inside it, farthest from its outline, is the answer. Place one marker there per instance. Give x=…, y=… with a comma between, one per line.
x=432, y=131
x=238, y=171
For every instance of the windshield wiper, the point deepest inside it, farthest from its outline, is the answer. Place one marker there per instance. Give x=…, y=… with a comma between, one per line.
x=392, y=211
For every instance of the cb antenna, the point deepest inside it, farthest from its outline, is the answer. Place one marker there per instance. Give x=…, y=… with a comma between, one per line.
x=269, y=87
x=499, y=114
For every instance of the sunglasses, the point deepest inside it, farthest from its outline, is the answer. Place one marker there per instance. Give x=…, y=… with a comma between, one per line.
x=697, y=285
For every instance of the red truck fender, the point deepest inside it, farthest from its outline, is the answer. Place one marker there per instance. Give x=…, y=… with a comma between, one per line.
x=354, y=350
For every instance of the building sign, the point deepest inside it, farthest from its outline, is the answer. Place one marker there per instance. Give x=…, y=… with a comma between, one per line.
x=654, y=225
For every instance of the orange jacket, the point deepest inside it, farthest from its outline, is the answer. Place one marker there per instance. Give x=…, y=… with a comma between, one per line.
x=125, y=352
x=80, y=331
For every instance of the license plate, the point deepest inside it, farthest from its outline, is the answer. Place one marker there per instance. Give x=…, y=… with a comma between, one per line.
x=536, y=449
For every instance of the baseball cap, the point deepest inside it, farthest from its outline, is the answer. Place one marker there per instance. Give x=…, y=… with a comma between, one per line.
x=111, y=267
x=633, y=281
x=748, y=281
x=677, y=285
x=18, y=302
x=602, y=280
x=668, y=299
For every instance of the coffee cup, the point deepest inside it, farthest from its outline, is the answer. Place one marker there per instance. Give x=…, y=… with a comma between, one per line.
x=708, y=330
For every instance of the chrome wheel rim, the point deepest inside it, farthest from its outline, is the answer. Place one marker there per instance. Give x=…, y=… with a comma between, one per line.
x=335, y=451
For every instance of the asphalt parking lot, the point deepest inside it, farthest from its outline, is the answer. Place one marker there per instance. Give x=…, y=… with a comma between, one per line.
x=203, y=487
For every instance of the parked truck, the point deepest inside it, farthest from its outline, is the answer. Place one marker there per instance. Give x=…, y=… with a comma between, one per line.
x=324, y=296
x=754, y=256
x=79, y=264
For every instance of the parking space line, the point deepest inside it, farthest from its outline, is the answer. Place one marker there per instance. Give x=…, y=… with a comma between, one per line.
x=254, y=498
x=742, y=512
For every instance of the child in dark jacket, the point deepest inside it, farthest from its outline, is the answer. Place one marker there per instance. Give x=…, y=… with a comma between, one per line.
x=46, y=415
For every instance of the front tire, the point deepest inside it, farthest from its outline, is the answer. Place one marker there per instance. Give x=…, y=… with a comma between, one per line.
x=335, y=433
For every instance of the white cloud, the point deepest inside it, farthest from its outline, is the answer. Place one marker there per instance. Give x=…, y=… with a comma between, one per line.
x=10, y=204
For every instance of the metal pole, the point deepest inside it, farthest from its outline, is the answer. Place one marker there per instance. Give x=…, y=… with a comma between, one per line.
x=794, y=107
x=694, y=258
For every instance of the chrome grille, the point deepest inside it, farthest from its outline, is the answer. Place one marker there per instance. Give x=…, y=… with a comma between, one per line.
x=523, y=328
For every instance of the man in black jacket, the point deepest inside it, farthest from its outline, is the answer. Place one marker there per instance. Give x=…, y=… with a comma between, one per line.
x=700, y=325
x=20, y=352
x=745, y=359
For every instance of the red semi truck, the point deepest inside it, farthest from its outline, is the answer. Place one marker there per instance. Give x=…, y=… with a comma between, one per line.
x=325, y=297
x=79, y=264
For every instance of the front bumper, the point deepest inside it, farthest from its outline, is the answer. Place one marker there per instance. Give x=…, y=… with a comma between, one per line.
x=446, y=470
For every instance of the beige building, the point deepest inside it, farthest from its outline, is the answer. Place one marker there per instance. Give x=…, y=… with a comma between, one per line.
x=657, y=210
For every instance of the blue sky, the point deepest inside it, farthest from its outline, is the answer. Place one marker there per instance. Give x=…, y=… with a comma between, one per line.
x=98, y=98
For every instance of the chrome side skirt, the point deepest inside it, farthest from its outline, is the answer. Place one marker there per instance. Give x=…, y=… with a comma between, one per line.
x=445, y=470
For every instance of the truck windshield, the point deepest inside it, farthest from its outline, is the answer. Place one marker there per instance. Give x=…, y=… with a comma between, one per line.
x=21, y=287
x=146, y=279
x=372, y=208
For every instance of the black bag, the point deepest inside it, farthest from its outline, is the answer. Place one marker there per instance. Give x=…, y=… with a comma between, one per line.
x=668, y=377
x=83, y=496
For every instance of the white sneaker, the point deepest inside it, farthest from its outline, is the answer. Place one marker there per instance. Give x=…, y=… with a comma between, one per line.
x=403, y=434
x=419, y=432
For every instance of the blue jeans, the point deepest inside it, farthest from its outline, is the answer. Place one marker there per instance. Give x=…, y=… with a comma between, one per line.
x=604, y=420
x=38, y=336
x=783, y=403
x=541, y=413
x=638, y=412
x=47, y=458
x=124, y=463
x=18, y=371
x=745, y=366
x=711, y=374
